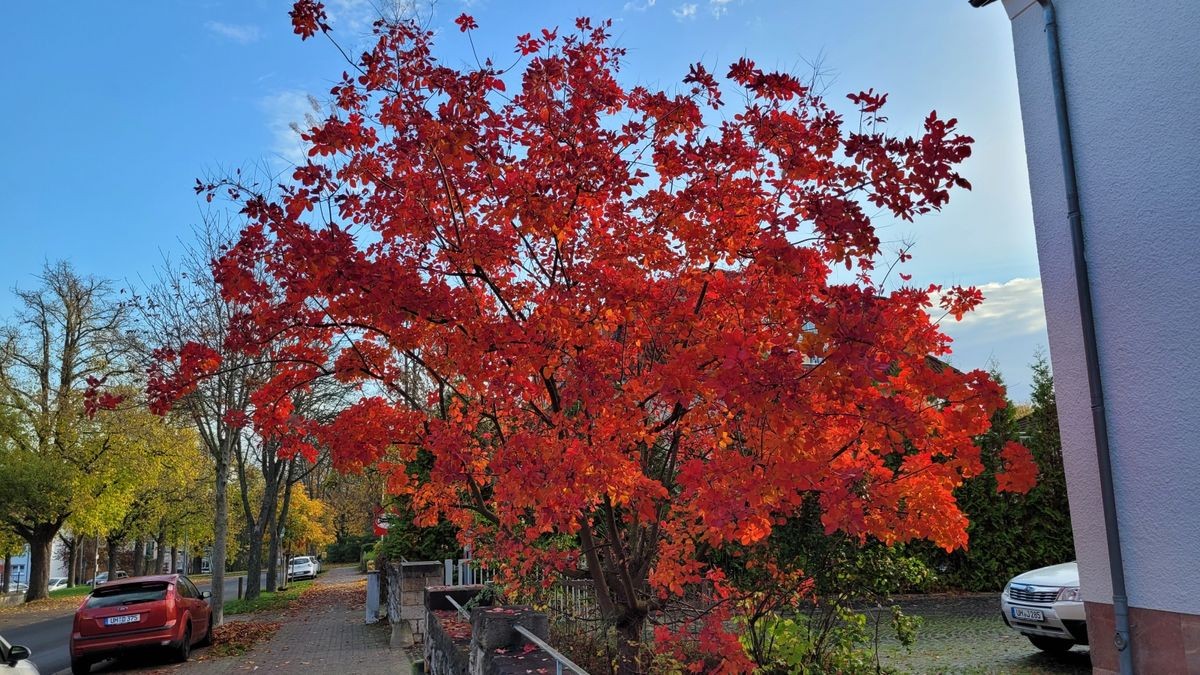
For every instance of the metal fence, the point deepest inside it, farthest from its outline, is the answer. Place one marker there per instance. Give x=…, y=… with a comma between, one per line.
x=467, y=572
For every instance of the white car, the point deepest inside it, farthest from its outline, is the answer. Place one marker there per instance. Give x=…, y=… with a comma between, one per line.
x=15, y=659
x=1044, y=605
x=303, y=567
x=57, y=583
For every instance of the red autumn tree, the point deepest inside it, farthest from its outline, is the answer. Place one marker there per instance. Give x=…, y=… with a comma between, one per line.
x=609, y=319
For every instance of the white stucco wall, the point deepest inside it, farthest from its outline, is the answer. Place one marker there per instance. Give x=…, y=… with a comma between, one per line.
x=1132, y=70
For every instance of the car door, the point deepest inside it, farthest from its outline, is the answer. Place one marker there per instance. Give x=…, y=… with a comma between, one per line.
x=201, y=615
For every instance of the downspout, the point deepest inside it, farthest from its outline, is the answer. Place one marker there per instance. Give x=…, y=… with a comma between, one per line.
x=1083, y=289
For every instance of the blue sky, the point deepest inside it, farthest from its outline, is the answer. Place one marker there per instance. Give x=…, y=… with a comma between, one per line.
x=112, y=110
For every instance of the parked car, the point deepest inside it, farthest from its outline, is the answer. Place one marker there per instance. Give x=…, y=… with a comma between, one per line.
x=17, y=588
x=137, y=613
x=102, y=578
x=303, y=567
x=1044, y=605
x=57, y=583
x=14, y=660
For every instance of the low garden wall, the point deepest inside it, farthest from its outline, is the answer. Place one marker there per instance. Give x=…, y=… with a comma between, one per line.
x=487, y=643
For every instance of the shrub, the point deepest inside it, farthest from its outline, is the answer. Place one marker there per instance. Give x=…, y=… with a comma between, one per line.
x=347, y=548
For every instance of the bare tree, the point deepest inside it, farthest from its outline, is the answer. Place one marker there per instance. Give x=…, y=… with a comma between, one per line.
x=68, y=335
x=183, y=304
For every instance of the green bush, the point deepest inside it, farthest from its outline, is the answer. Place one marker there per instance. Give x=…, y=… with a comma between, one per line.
x=347, y=548
x=834, y=640
x=406, y=541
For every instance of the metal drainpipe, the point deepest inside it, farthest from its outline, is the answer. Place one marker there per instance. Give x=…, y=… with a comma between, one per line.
x=1083, y=289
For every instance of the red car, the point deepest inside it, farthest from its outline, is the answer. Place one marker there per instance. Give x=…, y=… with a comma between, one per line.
x=164, y=611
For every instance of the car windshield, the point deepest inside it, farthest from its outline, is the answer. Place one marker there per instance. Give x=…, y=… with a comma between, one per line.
x=57, y=580
x=127, y=595
x=300, y=561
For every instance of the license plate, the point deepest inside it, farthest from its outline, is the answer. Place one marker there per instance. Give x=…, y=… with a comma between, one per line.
x=1028, y=614
x=118, y=620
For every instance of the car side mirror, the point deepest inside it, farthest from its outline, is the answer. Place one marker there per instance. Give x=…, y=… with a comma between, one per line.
x=204, y=595
x=18, y=653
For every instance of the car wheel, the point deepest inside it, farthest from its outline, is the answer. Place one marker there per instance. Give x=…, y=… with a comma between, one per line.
x=1051, y=645
x=184, y=650
x=80, y=666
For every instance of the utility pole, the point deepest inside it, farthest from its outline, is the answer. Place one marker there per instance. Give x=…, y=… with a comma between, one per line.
x=96, y=562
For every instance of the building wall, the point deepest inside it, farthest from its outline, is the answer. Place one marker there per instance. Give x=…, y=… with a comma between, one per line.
x=1132, y=71
x=20, y=564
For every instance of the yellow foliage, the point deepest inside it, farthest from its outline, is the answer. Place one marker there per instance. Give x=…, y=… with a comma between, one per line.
x=309, y=522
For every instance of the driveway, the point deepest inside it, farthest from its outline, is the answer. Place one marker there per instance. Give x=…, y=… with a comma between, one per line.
x=966, y=634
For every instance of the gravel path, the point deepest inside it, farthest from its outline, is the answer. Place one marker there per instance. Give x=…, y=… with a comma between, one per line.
x=966, y=634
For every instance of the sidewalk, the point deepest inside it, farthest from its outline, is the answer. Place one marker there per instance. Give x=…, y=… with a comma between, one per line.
x=25, y=614
x=324, y=633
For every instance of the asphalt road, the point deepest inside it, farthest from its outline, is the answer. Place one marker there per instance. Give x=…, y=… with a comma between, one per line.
x=47, y=639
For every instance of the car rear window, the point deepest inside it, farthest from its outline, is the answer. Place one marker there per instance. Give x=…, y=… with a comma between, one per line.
x=127, y=594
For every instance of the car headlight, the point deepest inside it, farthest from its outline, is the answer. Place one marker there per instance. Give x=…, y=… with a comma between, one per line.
x=1006, y=587
x=1070, y=594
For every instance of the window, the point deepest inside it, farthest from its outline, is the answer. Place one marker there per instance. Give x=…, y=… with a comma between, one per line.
x=127, y=595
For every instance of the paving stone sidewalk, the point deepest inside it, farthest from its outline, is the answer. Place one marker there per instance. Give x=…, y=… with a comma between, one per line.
x=324, y=633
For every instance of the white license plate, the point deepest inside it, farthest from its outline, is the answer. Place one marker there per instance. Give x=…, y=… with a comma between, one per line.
x=118, y=620
x=1028, y=614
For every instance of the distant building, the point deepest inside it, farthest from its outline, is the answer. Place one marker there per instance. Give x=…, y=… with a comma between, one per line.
x=20, y=564
x=1132, y=89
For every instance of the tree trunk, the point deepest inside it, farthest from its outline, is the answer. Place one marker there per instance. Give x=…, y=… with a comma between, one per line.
x=277, y=522
x=40, y=545
x=629, y=640
x=273, y=557
x=139, y=557
x=220, y=532
x=72, y=558
x=174, y=559
x=113, y=545
x=254, y=562
x=160, y=551
x=7, y=581
x=87, y=555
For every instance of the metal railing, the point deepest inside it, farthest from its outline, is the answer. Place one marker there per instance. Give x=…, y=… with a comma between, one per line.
x=467, y=572
x=560, y=660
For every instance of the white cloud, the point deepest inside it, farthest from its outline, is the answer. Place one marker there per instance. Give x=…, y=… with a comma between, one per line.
x=1009, y=308
x=1007, y=331
x=635, y=6
x=685, y=11
x=239, y=33
x=719, y=7
x=357, y=16
x=287, y=112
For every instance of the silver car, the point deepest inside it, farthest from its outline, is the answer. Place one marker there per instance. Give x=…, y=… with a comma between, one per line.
x=1045, y=606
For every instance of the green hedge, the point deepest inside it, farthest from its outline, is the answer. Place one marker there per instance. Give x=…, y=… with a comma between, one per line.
x=348, y=548
x=1010, y=534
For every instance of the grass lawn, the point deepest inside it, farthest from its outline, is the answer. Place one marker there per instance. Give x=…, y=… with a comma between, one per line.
x=74, y=591
x=268, y=600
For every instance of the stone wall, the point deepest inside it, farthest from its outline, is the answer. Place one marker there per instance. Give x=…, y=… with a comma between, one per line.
x=487, y=644
x=405, y=592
